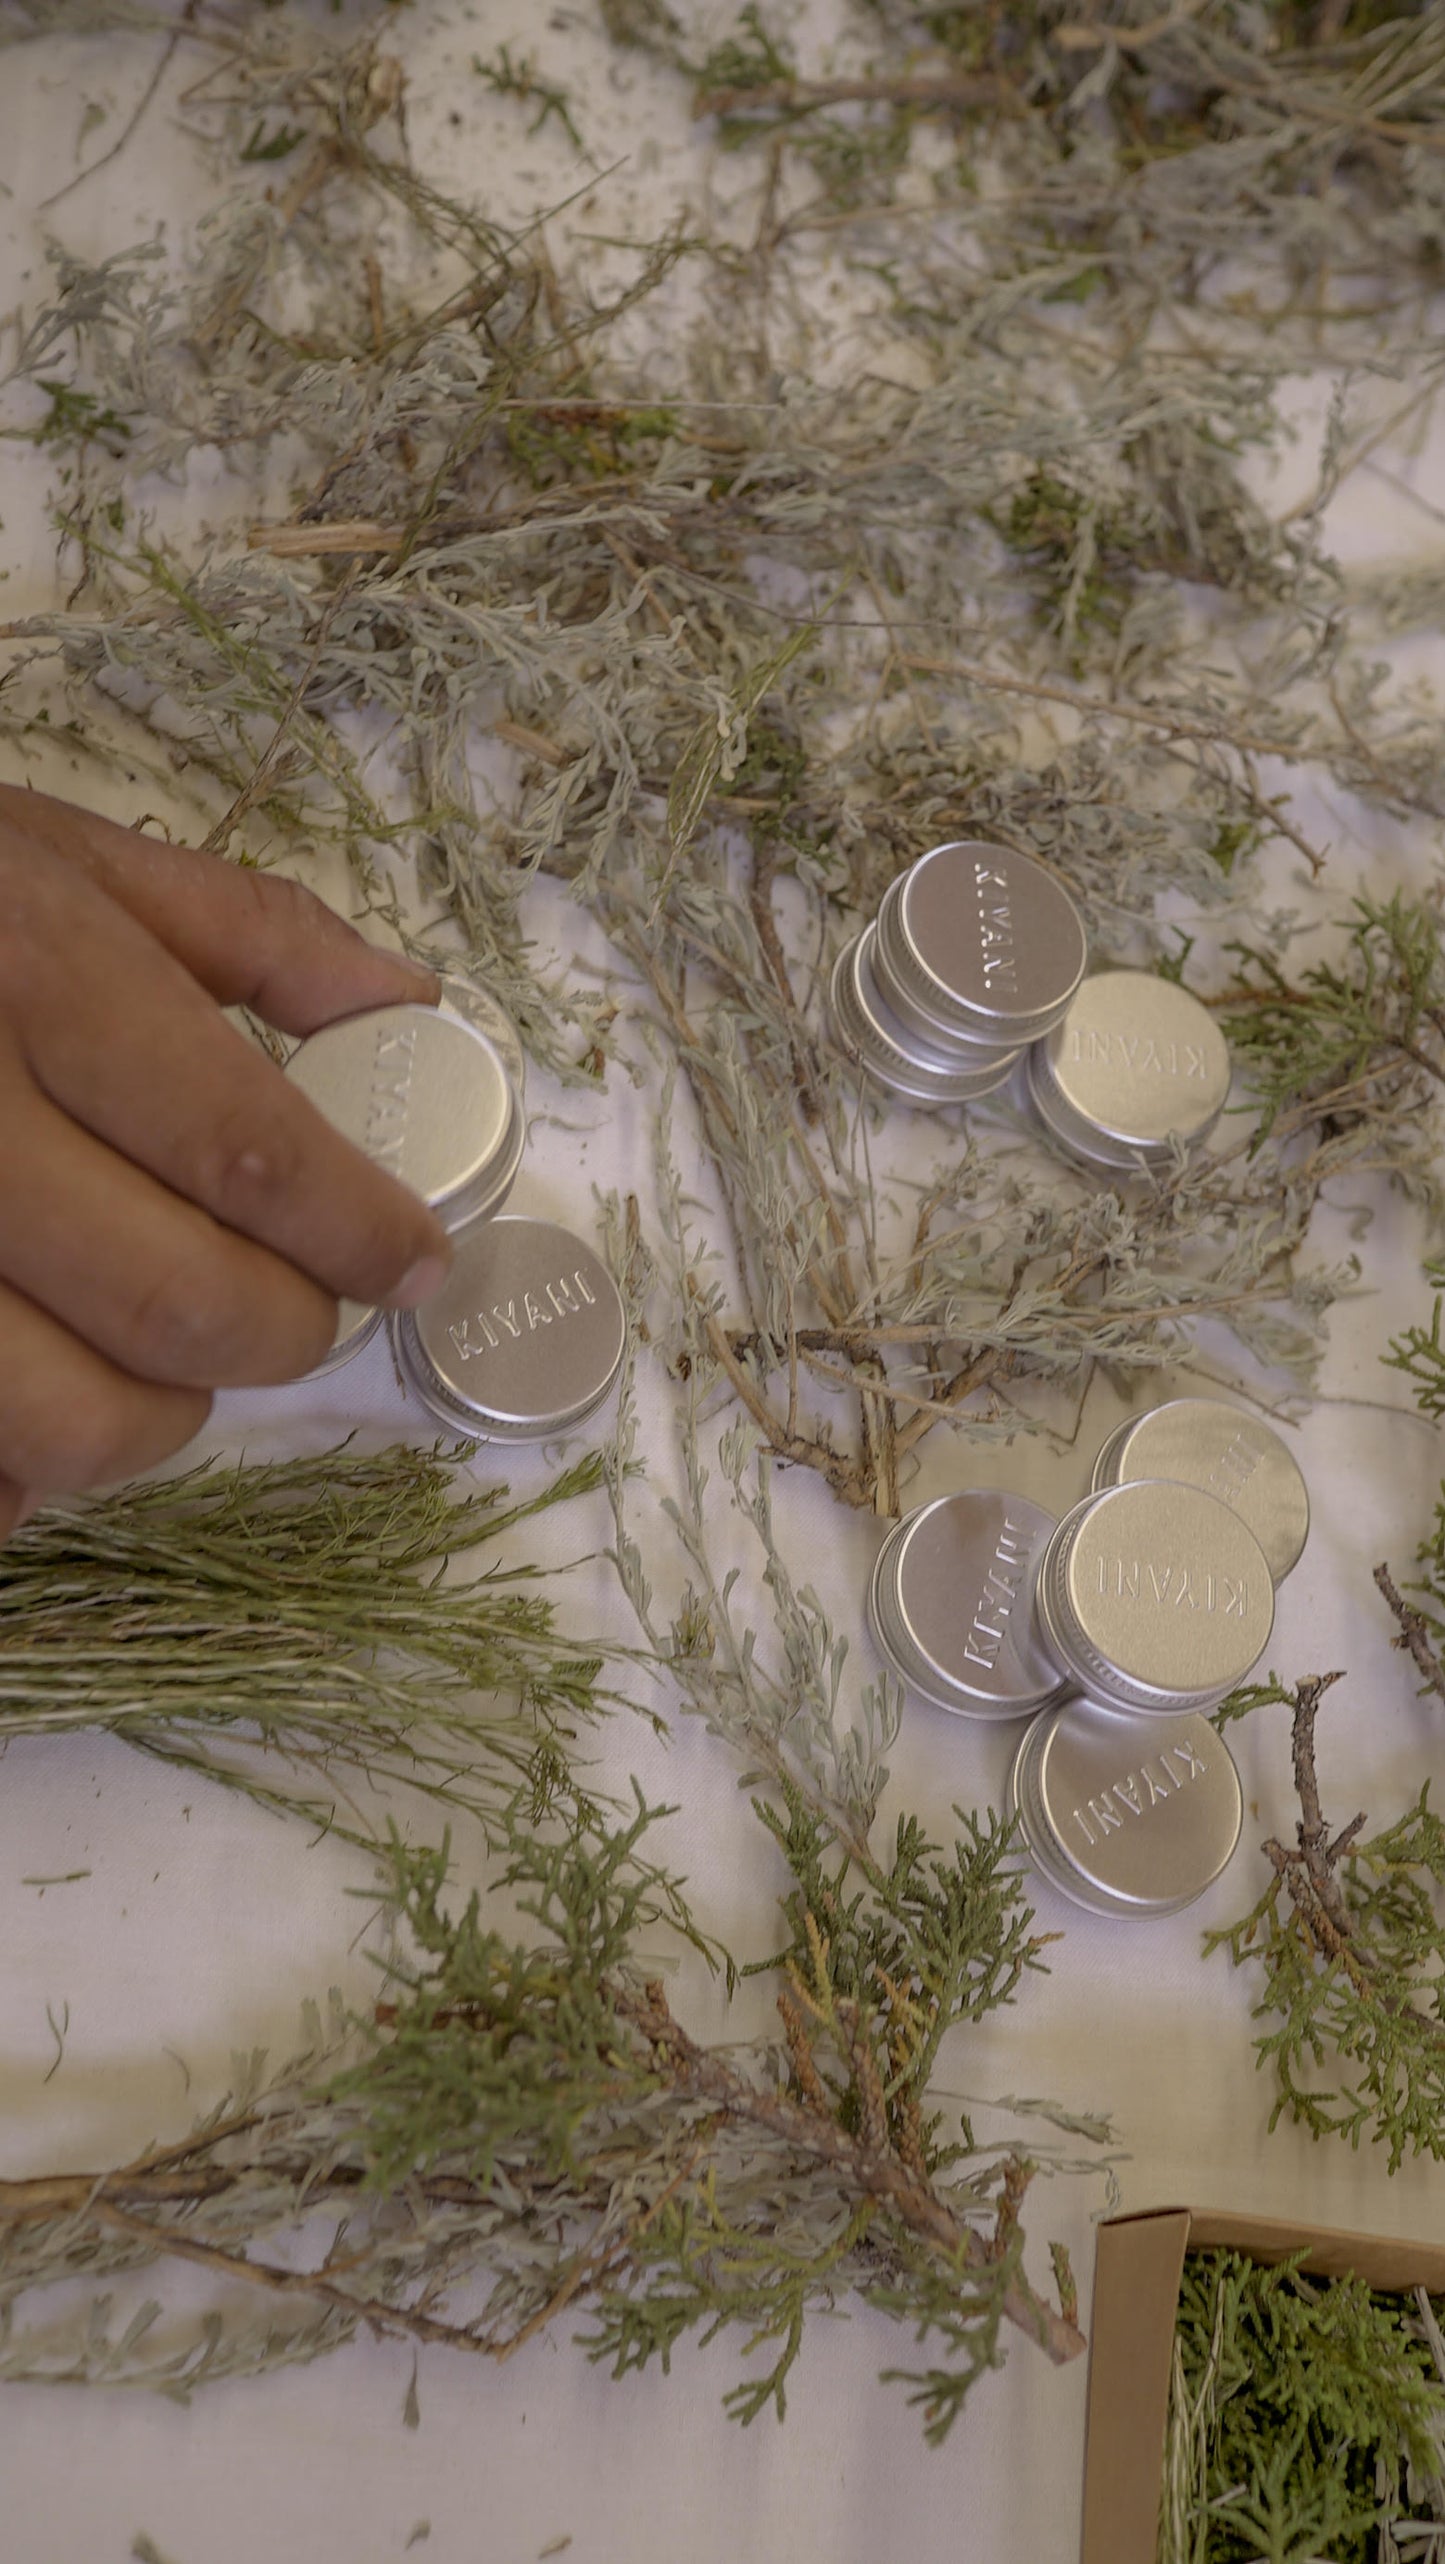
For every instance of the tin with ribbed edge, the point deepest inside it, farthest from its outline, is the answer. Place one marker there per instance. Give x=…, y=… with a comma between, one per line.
x=356, y=1324
x=1206, y=1443
x=1155, y=1597
x=1135, y=1065
x=951, y=1604
x=921, y=1072
x=426, y=1096
x=1126, y=1816
x=524, y=1339
x=479, y=1008
x=978, y=944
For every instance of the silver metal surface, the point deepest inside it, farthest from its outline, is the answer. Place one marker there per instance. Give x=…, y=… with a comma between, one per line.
x=921, y=1071
x=1231, y=1454
x=977, y=943
x=1125, y=1816
x=1155, y=1597
x=524, y=1338
x=426, y=1096
x=477, y=1007
x=356, y=1324
x=951, y=1604
x=1135, y=1063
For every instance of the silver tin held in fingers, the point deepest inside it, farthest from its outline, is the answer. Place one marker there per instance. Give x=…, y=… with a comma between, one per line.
x=426, y=1096
x=920, y=1072
x=1135, y=1064
x=355, y=1326
x=523, y=1340
x=1155, y=1597
x=477, y=1007
x=1203, y=1442
x=979, y=944
x=951, y=1604
x=1122, y=1816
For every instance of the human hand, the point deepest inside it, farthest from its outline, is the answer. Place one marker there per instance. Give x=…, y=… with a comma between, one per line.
x=174, y=1216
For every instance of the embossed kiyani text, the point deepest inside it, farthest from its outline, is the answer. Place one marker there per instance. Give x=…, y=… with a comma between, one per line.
x=507, y=1321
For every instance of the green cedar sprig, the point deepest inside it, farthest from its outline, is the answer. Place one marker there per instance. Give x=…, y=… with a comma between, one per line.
x=1306, y=2418
x=1333, y=1042
x=525, y=2133
x=1350, y=1930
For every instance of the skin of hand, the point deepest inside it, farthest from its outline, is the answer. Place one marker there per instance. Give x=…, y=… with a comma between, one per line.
x=175, y=1218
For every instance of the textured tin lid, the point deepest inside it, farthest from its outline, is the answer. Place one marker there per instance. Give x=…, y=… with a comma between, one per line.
x=1135, y=1061
x=1155, y=1596
x=978, y=943
x=426, y=1096
x=951, y=1603
x=922, y=1071
x=524, y=1338
x=477, y=1007
x=1122, y=1817
x=1228, y=1452
x=356, y=1324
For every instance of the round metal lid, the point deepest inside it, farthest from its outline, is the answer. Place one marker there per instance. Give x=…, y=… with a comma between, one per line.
x=921, y=1071
x=977, y=942
x=1228, y=1452
x=1125, y=1818
x=1155, y=1596
x=1136, y=1061
x=951, y=1603
x=477, y=1007
x=426, y=1096
x=523, y=1340
x=356, y=1324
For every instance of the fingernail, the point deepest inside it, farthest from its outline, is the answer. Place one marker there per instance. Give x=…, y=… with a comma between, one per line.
x=419, y=1283
x=28, y=1505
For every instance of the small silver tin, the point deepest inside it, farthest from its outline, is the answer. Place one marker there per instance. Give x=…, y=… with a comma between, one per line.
x=978, y=944
x=920, y=1071
x=1231, y=1454
x=1136, y=1063
x=1154, y=1596
x=951, y=1604
x=355, y=1326
x=477, y=1007
x=426, y=1096
x=1122, y=1817
x=523, y=1340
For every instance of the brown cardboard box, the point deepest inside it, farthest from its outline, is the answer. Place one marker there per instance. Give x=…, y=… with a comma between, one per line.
x=1137, y=2267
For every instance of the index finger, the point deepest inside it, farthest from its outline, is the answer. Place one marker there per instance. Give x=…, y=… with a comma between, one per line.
x=251, y=938
x=118, y=1035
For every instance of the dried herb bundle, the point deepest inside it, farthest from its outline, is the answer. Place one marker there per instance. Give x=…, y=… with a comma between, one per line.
x=286, y=1629
x=1306, y=2418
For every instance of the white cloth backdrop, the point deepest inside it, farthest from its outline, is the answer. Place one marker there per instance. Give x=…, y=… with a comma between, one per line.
x=202, y=1925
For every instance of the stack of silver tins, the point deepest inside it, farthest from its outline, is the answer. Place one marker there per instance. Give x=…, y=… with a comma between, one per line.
x=1203, y=1443
x=1125, y=1817
x=978, y=944
x=975, y=952
x=1155, y=1597
x=922, y=1071
x=951, y=1604
x=1135, y=1064
x=428, y=1097
x=523, y=1340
